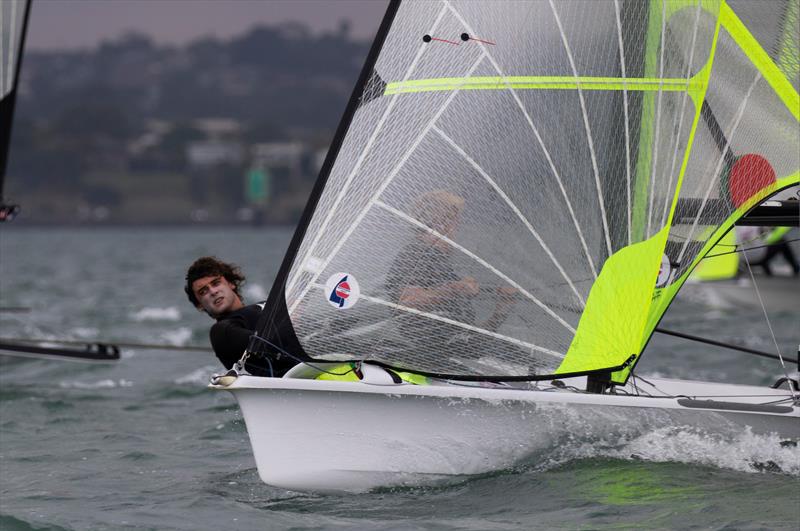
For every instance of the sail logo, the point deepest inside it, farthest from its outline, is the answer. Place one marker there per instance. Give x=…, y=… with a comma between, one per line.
x=342, y=290
x=664, y=272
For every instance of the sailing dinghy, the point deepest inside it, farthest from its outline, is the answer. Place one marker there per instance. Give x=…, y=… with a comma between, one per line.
x=13, y=28
x=516, y=193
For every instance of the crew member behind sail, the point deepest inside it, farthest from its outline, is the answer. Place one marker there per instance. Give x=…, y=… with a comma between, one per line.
x=213, y=287
x=423, y=277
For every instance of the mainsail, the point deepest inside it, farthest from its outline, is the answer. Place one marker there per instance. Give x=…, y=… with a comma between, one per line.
x=13, y=25
x=518, y=189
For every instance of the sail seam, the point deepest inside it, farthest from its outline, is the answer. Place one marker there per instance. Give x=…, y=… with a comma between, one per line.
x=477, y=258
x=514, y=207
x=380, y=190
x=537, y=82
x=587, y=127
x=345, y=187
x=538, y=139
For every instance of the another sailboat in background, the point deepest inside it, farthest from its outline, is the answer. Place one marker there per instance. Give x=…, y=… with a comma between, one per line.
x=14, y=19
x=514, y=197
x=13, y=29
x=745, y=260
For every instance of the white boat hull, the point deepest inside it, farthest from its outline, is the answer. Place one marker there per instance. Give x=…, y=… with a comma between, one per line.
x=314, y=435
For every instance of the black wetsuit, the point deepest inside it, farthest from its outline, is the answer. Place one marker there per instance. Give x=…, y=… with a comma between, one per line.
x=230, y=336
x=426, y=266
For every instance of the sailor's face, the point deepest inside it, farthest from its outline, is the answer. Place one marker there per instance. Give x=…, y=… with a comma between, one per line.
x=216, y=295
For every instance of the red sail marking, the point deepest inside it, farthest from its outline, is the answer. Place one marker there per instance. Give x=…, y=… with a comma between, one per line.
x=750, y=174
x=444, y=40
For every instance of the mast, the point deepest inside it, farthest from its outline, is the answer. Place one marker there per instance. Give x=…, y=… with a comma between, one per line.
x=8, y=91
x=274, y=324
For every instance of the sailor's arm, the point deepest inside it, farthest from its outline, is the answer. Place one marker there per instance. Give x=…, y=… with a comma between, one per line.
x=506, y=298
x=422, y=298
x=229, y=338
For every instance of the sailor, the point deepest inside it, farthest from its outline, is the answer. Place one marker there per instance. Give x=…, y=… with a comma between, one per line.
x=423, y=276
x=213, y=287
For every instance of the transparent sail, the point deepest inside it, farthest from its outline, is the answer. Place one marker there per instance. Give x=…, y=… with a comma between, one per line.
x=506, y=191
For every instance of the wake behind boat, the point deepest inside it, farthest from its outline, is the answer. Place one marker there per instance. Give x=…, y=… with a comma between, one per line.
x=514, y=197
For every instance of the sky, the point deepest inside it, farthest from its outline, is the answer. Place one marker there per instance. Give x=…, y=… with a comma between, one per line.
x=71, y=24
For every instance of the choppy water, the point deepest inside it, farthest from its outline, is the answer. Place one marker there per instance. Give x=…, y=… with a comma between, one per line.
x=142, y=444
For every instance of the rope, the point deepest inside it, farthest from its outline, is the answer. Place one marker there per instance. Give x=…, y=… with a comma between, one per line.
x=246, y=355
x=750, y=248
x=769, y=325
x=150, y=346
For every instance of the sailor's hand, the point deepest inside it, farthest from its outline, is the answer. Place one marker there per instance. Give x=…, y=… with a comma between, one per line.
x=468, y=286
x=507, y=293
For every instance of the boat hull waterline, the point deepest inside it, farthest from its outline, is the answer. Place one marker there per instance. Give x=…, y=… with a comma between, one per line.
x=330, y=436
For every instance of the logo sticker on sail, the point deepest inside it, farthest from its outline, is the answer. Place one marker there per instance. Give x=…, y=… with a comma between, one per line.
x=342, y=291
x=664, y=272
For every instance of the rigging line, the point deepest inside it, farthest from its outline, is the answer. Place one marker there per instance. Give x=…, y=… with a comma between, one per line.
x=716, y=343
x=478, y=259
x=769, y=325
x=458, y=324
x=744, y=250
x=382, y=187
x=625, y=111
x=654, y=161
x=299, y=359
x=111, y=343
x=538, y=139
x=672, y=177
x=514, y=207
x=720, y=162
x=587, y=127
x=345, y=187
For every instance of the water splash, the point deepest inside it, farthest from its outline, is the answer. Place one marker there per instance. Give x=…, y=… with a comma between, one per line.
x=97, y=384
x=199, y=376
x=746, y=452
x=157, y=314
x=178, y=337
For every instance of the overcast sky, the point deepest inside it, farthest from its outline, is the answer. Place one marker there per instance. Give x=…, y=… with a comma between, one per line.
x=69, y=24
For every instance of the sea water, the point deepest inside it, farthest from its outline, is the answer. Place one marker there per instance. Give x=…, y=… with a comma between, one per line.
x=143, y=444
